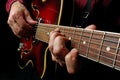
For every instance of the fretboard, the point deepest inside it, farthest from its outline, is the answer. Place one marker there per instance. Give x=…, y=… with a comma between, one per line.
x=100, y=46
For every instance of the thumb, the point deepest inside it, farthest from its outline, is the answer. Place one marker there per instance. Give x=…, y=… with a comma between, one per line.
x=29, y=18
x=92, y=27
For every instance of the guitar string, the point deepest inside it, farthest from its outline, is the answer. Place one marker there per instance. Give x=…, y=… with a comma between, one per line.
x=115, y=59
x=96, y=37
x=111, y=41
x=84, y=36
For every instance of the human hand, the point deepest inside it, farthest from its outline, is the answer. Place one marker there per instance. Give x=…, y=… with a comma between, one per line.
x=20, y=20
x=60, y=53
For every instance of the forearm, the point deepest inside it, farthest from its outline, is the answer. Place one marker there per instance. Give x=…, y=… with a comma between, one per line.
x=10, y=2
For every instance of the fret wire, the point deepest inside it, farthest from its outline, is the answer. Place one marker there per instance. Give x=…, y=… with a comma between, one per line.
x=101, y=46
x=114, y=62
x=89, y=42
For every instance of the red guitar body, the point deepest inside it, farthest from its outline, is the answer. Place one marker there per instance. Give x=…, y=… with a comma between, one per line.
x=31, y=51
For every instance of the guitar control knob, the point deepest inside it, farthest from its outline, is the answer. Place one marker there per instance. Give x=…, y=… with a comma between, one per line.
x=20, y=46
x=40, y=20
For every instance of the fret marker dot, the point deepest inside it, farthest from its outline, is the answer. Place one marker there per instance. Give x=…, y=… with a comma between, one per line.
x=108, y=48
x=48, y=33
x=84, y=42
x=70, y=38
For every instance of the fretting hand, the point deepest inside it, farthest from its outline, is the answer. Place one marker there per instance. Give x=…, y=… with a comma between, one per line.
x=60, y=53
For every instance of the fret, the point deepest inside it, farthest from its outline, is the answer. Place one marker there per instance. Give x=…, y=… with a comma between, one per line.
x=91, y=33
x=116, y=53
x=41, y=31
x=70, y=32
x=79, y=45
x=72, y=37
x=106, y=61
x=85, y=41
x=101, y=44
x=77, y=37
x=64, y=30
x=93, y=52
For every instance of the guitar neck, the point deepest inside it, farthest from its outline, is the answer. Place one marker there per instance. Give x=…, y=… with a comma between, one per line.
x=99, y=46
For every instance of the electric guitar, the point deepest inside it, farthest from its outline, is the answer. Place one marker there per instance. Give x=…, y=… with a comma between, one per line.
x=100, y=46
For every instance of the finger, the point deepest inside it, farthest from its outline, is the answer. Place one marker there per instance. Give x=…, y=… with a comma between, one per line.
x=59, y=49
x=10, y=21
x=15, y=28
x=71, y=61
x=19, y=19
x=29, y=19
x=53, y=35
x=18, y=31
x=53, y=57
x=57, y=30
x=92, y=27
x=72, y=55
x=61, y=63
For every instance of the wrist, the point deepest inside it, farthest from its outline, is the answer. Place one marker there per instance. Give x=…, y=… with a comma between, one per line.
x=10, y=2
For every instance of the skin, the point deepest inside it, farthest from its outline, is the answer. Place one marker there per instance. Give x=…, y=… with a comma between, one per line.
x=20, y=20
x=60, y=54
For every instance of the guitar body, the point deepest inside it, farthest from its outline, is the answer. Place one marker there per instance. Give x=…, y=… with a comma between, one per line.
x=31, y=50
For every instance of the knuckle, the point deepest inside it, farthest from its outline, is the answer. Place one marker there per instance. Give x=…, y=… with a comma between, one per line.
x=9, y=21
x=58, y=50
x=68, y=56
x=54, y=34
